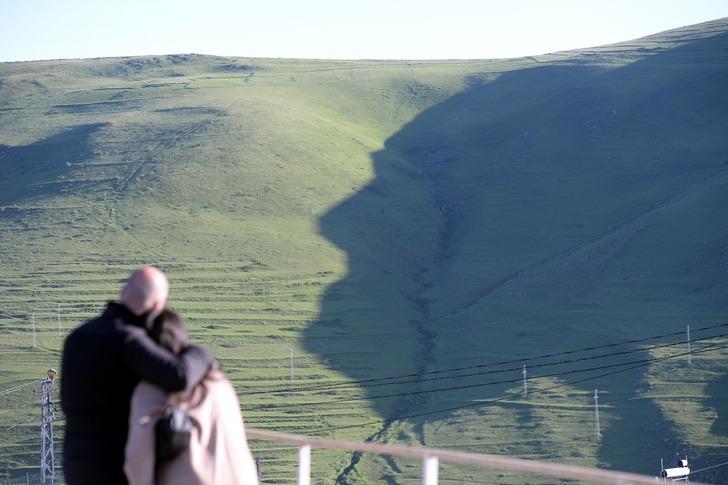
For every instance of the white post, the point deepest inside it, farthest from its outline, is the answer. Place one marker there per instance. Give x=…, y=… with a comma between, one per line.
x=525, y=383
x=597, y=430
x=304, y=465
x=430, y=470
x=690, y=357
x=35, y=339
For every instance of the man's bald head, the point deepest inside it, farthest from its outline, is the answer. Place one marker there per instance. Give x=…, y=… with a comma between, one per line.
x=145, y=290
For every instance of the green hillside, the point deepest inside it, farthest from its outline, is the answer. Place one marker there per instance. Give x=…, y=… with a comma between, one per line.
x=391, y=218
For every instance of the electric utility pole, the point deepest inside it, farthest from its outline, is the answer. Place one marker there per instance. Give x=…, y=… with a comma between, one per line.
x=47, y=455
x=32, y=323
x=690, y=357
x=597, y=430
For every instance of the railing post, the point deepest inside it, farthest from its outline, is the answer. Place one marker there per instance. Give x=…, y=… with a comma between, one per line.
x=430, y=469
x=304, y=465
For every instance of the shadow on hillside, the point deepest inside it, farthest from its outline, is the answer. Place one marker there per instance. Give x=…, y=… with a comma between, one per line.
x=716, y=392
x=467, y=218
x=33, y=170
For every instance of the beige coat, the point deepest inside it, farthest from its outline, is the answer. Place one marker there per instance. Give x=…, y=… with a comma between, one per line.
x=218, y=452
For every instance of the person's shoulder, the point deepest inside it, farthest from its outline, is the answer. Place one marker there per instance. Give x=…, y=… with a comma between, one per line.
x=109, y=315
x=89, y=327
x=216, y=381
x=110, y=325
x=216, y=377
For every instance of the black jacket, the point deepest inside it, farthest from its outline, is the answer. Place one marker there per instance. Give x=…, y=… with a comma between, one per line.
x=103, y=361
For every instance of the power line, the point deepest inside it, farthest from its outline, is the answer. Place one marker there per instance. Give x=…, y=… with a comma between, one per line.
x=510, y=396
x=364, y=382
x=547, y=364
x=7, y=314
x=18, y=388
x=503, y=398
x=468, y=386
x=693, y=472
x=21, y=423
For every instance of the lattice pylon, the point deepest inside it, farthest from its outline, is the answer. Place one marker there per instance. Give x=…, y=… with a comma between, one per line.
x=47, y=455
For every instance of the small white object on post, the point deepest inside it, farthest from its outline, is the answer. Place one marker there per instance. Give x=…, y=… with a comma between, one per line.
x=304, y=465
x=430, y=470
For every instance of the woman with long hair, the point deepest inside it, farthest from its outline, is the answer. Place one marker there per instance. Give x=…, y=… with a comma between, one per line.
x=218, y=451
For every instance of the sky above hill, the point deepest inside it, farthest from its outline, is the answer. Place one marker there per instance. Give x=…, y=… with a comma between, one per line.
x=333, y=29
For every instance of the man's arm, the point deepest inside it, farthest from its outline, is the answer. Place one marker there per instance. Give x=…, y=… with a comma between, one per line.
x=161, y=367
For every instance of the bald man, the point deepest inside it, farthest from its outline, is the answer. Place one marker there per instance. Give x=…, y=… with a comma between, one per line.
x=103, y=361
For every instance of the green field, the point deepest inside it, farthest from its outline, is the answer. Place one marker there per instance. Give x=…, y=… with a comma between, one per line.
x=390, y=218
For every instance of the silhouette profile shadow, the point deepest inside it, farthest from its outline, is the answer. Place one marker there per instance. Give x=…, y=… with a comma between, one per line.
x=502, y=222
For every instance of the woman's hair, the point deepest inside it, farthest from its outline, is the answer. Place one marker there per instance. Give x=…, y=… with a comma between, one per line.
x=169, y=331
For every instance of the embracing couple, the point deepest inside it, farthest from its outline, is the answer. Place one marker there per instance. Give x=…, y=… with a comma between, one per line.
x=121, y=371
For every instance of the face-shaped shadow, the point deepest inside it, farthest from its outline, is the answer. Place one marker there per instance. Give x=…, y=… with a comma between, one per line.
x=543, y=211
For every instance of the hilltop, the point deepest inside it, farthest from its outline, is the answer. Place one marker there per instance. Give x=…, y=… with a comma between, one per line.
x=390, y=218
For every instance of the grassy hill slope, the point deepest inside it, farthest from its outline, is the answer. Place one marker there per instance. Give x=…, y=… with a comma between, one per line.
x=388, y=218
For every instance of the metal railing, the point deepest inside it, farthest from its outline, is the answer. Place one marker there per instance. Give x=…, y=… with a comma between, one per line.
x=431, y=460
